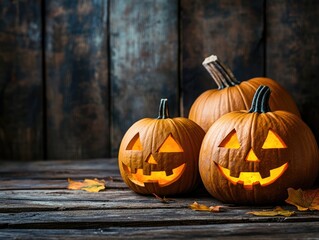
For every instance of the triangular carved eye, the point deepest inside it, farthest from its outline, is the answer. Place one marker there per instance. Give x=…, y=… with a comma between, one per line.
x=273, y=141
x=135, y=143
x=170, y=145
x=230, y=141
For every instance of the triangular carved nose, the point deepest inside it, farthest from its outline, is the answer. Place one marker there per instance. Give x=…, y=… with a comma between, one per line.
x=151, y=160
x=251, y=156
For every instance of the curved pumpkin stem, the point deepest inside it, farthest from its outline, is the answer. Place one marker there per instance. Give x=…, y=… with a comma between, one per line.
x=163, y=109
x=221, y=74
x=260, y=103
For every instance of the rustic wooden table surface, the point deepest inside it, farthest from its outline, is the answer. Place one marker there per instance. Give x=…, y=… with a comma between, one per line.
x=36, y=204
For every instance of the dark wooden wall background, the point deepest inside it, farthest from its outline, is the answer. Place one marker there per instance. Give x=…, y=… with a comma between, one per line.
x=75, y=75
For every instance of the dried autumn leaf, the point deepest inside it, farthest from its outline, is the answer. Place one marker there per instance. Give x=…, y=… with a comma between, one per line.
x=89, y=185
x=217, y=208
x=163, y=199
x=278, y=211
x=303, y=200
x=201, y=207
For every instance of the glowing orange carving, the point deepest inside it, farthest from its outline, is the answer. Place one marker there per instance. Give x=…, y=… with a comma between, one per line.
x=135, y=144
x=251, y=156
x=170, y=145
x=249, y=179
x=159, y=177
x=273, y=141
x=230, y=141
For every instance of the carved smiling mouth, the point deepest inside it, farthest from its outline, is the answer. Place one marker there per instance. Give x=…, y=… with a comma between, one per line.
x=249, y=179
x=159, y=177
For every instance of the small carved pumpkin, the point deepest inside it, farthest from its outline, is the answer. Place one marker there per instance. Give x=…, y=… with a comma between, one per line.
x=233, y=95
x=252, y=157
x=161, y=155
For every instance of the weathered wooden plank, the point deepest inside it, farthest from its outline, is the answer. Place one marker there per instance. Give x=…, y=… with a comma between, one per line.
x=144, y=57
x=77, y=79
x=116, y=198
x=293, y=53
x=107, y=195
x=36, y=184
x=232, y=30
x=121, y=212
x=21, y=88
x=225, y=231
x=136, y=217
x=61, y=169
x=62, y=174
x=104, y=164
x=28, y=184
x=115, y=194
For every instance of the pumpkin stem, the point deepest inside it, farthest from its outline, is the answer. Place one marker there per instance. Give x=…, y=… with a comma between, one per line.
x=221, y=74
x=163, y=109
x=260, y=103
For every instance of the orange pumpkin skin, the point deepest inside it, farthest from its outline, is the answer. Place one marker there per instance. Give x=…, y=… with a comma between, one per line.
x=299, y=158
x=232, y=95
x=150, y=160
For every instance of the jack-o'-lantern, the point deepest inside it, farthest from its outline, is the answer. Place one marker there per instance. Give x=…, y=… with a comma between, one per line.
x=233, y=95
x=252, y=157
x=161, y=155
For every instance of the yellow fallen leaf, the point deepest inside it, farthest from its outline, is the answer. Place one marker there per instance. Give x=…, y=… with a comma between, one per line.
x=303, y=200
x=278, y=211
x=201, y=207
x=89, y=185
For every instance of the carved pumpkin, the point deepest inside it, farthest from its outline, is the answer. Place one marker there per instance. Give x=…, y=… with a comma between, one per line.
x=252, y=157
x=161, y=155
x=233, y=95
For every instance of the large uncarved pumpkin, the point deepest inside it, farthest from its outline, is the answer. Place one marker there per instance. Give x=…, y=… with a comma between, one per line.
x=252, y=157
x=161, y=155
x=233, y=95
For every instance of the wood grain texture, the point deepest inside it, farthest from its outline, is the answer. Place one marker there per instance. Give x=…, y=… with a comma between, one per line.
x=228, y=231
x=46, y=208
x=293, y=53
x=21, y=94
x=99, y=165
x=67, y=106
x=144, y=59
x=232, y=30
x=111, y=198
x=134, y=217
x=77, y=79
x=64, y=169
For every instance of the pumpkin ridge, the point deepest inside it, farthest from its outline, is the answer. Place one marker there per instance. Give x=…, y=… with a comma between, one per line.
x=279, y=168
x=179, y=123
x=254, y=126
x=239, y=89
x=171, y=172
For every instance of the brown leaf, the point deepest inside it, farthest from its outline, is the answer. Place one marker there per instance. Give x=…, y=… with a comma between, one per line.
x=89, y=185
x=277, y=211
x=201, y=207
x=303, y=200
x=164, y=199
x=217, y=209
